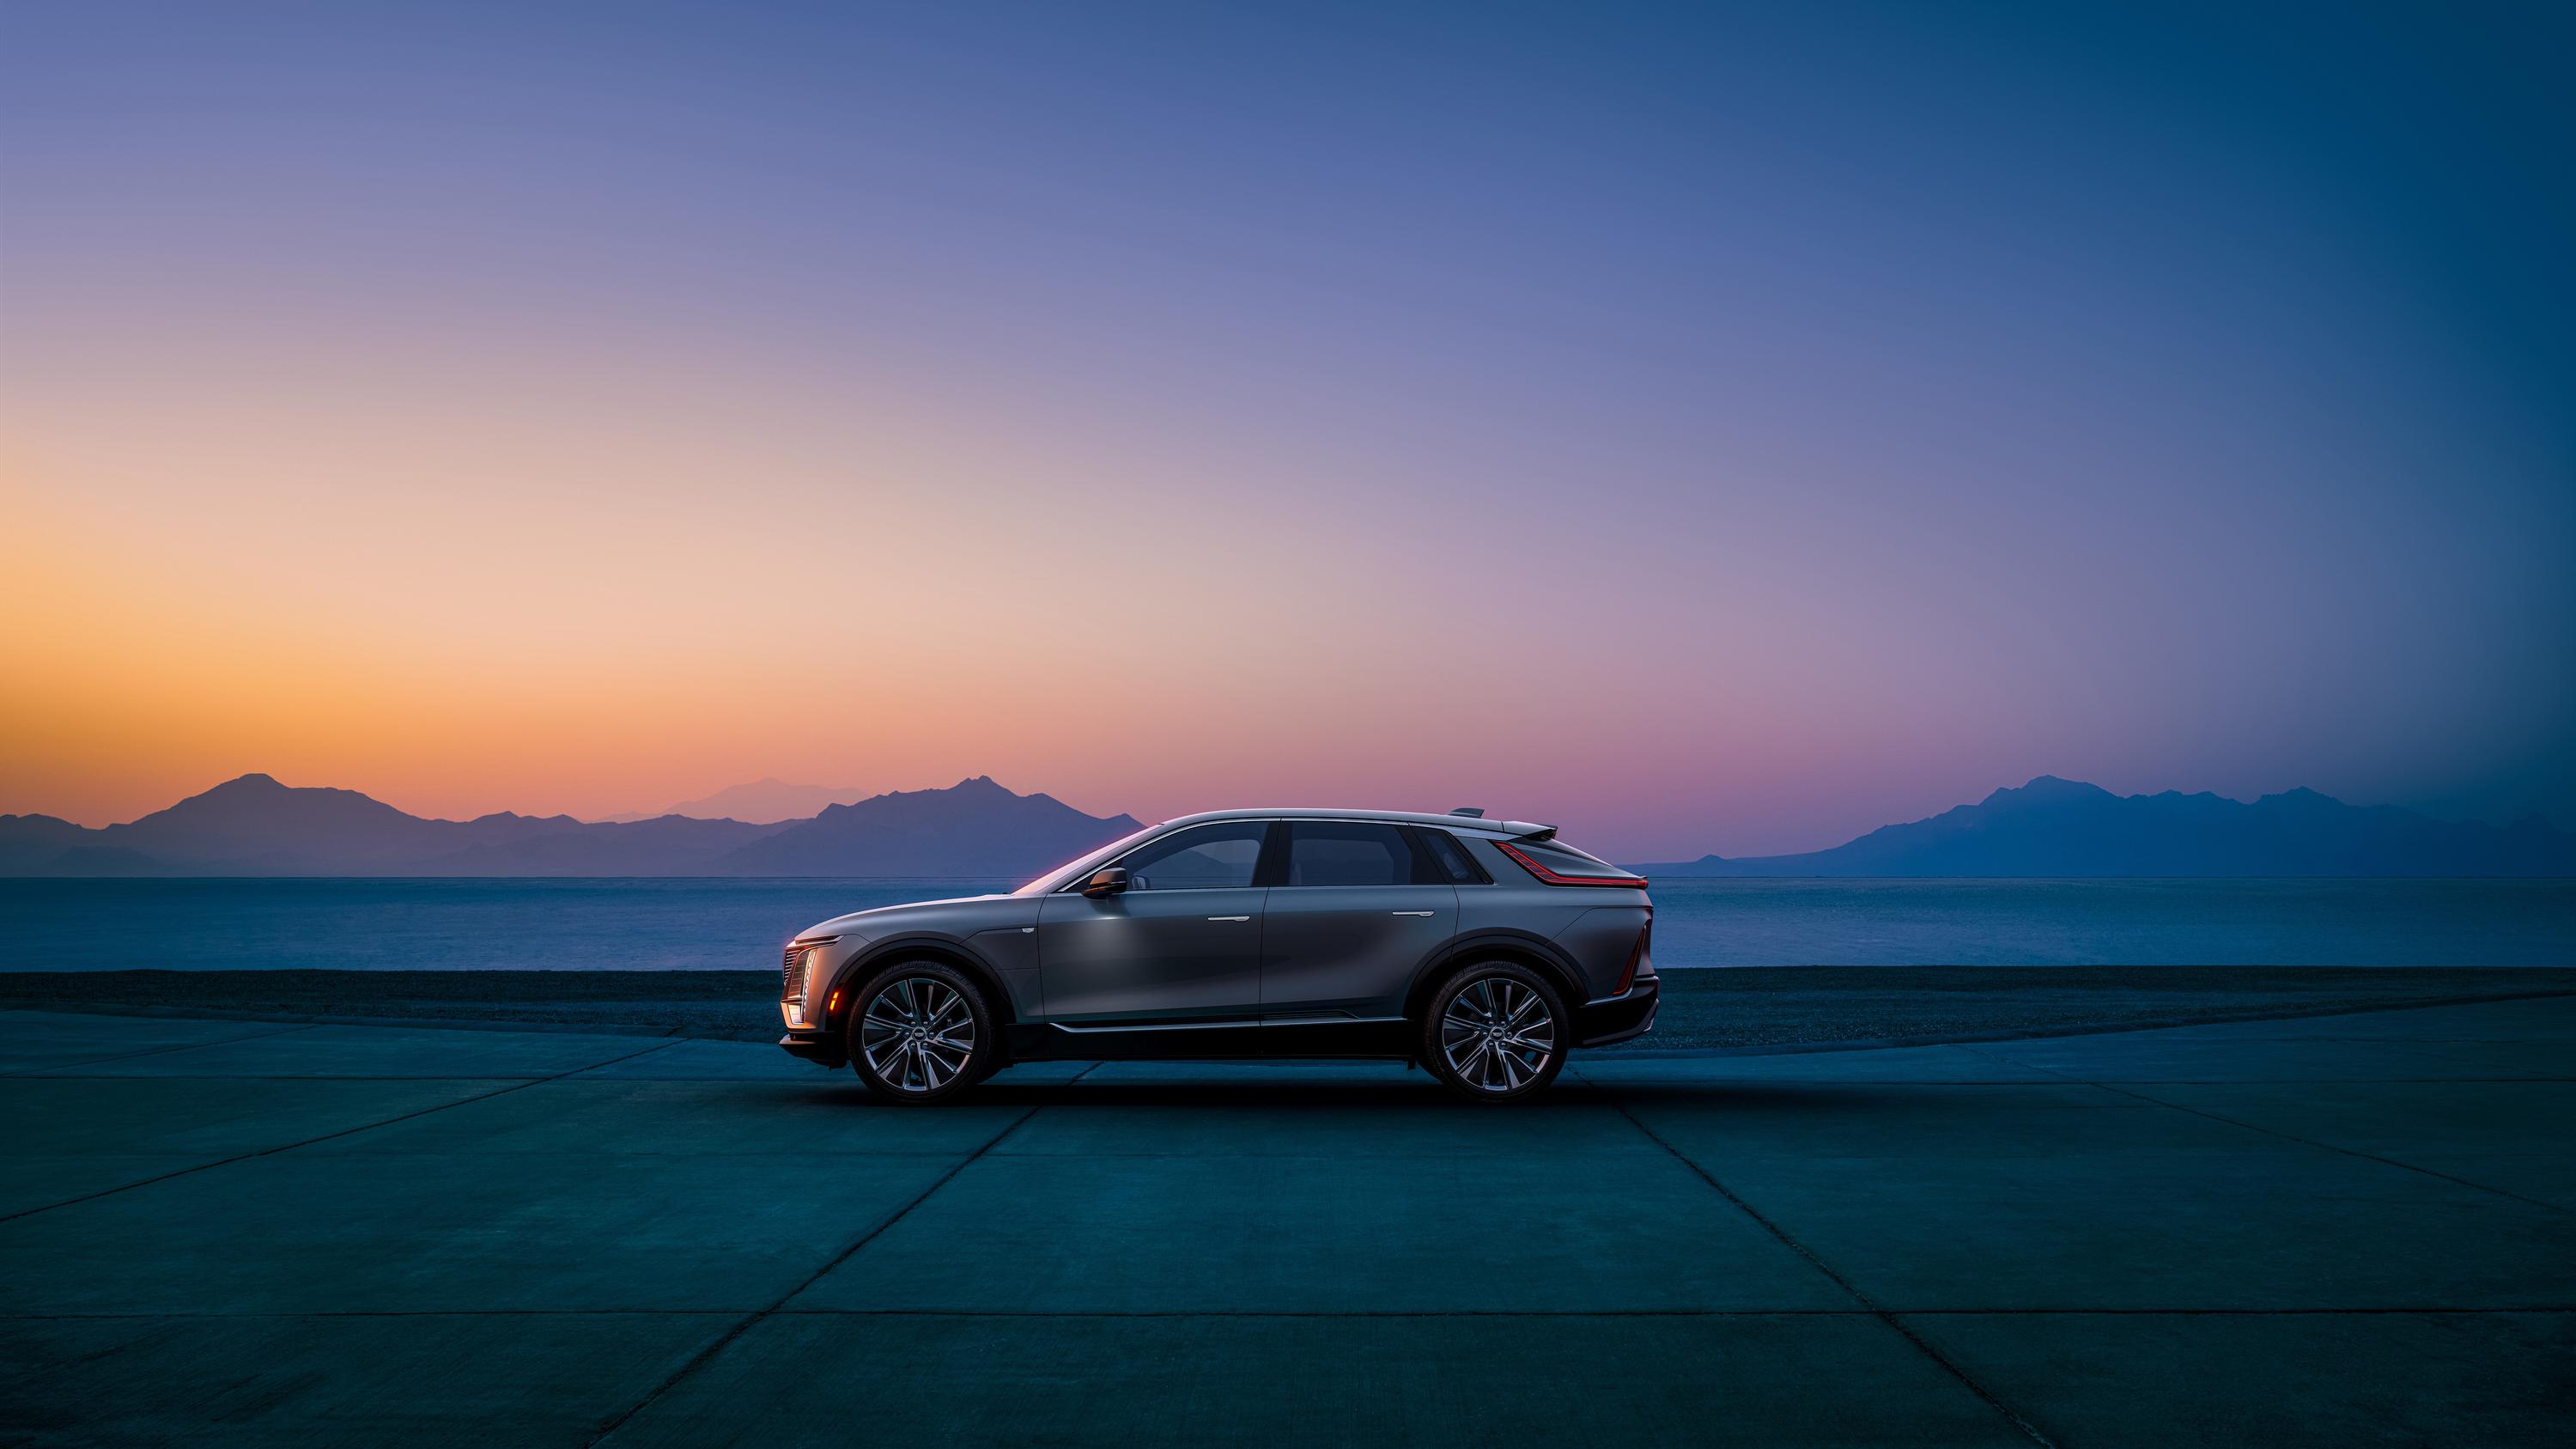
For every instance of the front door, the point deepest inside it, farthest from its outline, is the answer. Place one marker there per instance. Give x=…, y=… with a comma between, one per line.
x=1359, y=907
x=1182, y=941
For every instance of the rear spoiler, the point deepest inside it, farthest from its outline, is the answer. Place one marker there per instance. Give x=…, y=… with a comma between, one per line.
x=1516, y=829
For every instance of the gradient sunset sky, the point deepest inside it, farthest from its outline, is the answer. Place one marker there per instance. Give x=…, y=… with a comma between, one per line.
x=1712, y=430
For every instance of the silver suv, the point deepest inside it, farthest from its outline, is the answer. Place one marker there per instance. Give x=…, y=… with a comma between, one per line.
x=1480, y=949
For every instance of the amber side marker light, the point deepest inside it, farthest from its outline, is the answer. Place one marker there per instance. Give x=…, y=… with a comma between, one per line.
x=833, y=1002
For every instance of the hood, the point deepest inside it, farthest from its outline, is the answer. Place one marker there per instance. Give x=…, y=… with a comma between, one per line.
x=959, y=915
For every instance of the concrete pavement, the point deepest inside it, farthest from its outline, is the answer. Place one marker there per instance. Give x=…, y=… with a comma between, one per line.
x=2351, y=1229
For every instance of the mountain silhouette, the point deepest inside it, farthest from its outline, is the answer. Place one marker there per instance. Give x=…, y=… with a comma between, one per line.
x=974, y=827
x=2050, y=827
x=762, y=802
x=2054, y=827
x=256, y=826
x=33, y=844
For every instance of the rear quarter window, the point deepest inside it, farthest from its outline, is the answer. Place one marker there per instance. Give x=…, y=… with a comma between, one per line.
x=1445, y=861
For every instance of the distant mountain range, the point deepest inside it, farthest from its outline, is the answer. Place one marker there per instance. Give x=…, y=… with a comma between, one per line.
x=2049, y=827
x=2054, y=827
x=762, y=802
x=973, y=827
x=256, y=826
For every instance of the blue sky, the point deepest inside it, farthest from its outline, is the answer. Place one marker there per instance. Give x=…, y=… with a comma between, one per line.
x=1779, y=419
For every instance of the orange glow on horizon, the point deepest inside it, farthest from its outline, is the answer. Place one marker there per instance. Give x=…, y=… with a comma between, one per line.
x=461, y=604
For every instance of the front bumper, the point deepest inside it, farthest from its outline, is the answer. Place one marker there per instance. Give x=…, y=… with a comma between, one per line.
x=821, y=1047
x=1621, y=1018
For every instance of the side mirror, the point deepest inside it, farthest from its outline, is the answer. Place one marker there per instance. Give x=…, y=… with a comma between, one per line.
x=1107, y=882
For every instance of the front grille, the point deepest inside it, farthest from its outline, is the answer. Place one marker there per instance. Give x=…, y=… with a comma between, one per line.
x=791, y=973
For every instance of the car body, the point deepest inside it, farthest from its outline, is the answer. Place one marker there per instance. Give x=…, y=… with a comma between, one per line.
x=1435, y=939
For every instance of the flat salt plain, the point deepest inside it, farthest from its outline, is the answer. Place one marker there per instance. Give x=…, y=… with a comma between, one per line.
x=2332, y=1230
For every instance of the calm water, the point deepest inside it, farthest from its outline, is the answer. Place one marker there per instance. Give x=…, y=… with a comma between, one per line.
x=587, y=925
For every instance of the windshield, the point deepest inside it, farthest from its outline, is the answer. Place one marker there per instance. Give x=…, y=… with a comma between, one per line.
x=1062, y=875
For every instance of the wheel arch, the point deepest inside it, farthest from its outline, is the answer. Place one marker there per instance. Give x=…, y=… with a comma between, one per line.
x=1515, y=947
x=946, y=950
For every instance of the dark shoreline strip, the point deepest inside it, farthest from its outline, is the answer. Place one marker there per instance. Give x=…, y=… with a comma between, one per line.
x=2216, y=1013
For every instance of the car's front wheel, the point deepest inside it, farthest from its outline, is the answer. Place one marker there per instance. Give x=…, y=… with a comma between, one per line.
x=1496, y=1032
x=922, y=1033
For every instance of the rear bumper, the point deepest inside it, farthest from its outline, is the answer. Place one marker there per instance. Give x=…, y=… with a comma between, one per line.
x=823, y=1048
x=1619, y=1019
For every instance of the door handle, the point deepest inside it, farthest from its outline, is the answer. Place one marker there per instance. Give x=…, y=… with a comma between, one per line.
x=1229, y=918
x=1412, y=913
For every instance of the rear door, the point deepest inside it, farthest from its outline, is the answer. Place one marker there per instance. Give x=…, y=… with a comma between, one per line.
x=1356, y=907
x=1183, y=940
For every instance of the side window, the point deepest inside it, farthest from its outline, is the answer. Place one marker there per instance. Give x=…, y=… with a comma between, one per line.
x=1449, y=862
x=1348, y=853
x=1203, y=857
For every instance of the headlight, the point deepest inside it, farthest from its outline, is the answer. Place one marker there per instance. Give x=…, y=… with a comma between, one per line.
x=795, y=967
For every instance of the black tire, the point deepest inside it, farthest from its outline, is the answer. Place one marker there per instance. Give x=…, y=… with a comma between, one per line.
x=908, y=1016
x=1482, y=1056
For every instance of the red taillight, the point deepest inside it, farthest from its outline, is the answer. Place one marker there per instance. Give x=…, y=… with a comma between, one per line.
x=1637, y=954
x=1633, y=882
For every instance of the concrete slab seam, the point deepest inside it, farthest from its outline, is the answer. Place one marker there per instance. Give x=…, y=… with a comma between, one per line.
x=1894, y=1323
x=2159, y=1023
x=329, y=1136
x=2156, y=1101
x=726, y=1339
x=188, y=1046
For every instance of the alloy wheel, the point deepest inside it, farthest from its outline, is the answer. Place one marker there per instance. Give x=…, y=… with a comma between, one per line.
x=1497, y=1035
x=917, y=1034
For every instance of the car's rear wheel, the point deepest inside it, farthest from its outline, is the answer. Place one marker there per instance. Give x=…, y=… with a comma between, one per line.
x=922, y=1033
x=1495, y=1032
